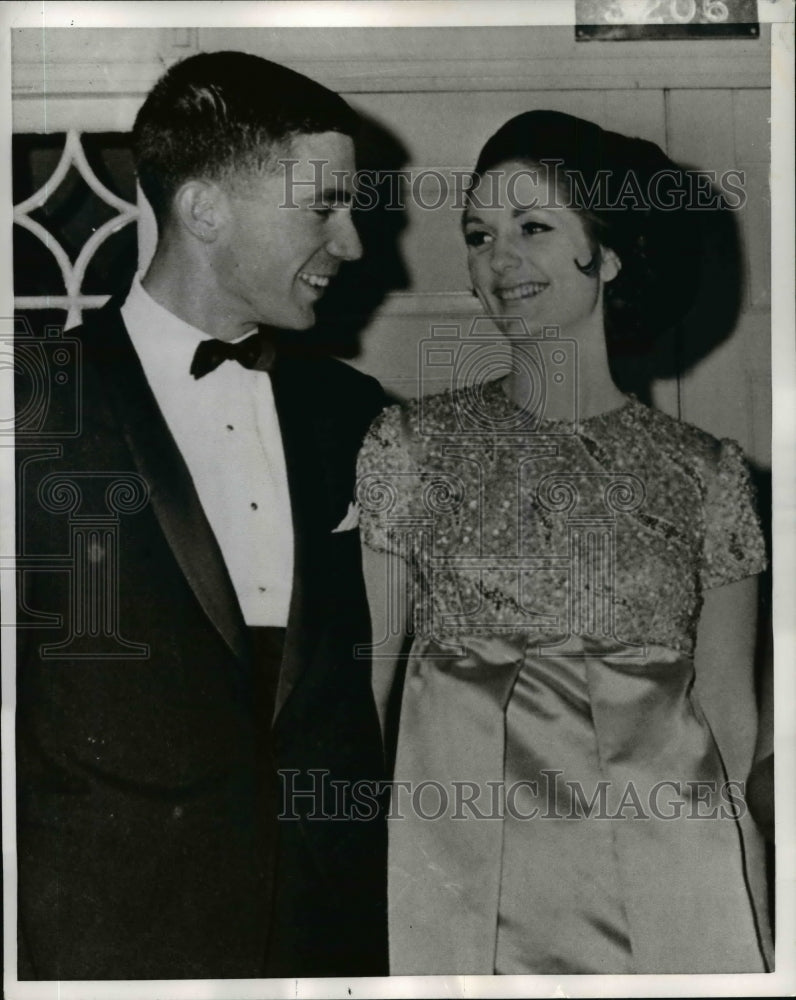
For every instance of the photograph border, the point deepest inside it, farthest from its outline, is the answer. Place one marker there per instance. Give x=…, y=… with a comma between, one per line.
x=780, y=15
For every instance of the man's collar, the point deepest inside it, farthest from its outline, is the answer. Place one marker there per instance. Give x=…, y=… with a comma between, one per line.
x=145, y=312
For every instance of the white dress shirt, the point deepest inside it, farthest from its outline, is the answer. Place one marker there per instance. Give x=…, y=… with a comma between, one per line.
x=226, y=427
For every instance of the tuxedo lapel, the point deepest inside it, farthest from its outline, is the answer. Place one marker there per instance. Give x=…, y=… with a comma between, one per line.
x=306, y=474
x=173, y=496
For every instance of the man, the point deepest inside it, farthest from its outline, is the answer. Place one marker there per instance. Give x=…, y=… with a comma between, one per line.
x=187, y=637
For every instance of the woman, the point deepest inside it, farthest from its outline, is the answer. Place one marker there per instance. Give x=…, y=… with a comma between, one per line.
x=577, y=560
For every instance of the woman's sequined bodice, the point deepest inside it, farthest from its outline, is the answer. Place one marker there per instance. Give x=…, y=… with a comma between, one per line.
x=609, y=528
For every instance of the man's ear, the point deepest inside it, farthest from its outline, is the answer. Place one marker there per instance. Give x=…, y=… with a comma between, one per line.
x=199, y=205
x=610, y=264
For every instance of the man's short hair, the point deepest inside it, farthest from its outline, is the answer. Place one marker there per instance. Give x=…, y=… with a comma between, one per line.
x=219, y=113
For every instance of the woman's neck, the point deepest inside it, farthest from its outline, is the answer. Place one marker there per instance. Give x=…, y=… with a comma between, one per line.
x=576, y=377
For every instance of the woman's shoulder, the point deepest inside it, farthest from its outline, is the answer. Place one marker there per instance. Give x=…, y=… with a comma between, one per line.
x=415, y=419
x=682, y=442
x=705, y=483
x=392, y=438
x=396, y=458
x=383, y=439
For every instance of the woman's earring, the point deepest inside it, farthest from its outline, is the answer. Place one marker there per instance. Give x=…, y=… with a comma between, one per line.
x=591, y=268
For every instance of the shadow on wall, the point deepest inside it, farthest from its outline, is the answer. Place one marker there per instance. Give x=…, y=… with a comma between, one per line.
x=712, y=317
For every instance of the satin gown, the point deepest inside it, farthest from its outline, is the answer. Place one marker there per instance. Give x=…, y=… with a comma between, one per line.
x=560, y=804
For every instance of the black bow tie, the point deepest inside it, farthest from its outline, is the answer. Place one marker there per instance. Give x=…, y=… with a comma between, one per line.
x=253, y=352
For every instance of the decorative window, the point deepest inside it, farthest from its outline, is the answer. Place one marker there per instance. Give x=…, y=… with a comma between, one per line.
x=74, y=202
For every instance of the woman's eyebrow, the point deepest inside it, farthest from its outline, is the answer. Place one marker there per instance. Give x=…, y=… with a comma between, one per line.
x=537, y=207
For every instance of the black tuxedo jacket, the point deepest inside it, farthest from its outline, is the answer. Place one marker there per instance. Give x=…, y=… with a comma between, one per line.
x=148, y=734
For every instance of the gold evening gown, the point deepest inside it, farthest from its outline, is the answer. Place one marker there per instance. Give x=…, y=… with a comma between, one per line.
x=560, y=804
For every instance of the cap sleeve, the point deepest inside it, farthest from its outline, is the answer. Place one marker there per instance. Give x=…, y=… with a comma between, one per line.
x=382, y=488
x=734, y=545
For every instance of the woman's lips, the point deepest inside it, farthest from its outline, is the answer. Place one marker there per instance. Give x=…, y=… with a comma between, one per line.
x=526, y=290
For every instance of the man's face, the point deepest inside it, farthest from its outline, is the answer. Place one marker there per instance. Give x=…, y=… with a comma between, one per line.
x=285, y=235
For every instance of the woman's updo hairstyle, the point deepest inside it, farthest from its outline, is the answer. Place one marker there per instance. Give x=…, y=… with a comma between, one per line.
x=622, y=187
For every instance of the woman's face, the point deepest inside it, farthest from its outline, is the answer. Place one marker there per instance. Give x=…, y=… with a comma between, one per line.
x=522, y=245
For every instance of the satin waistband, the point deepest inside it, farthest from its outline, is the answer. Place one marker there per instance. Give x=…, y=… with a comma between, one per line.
x=648, y=728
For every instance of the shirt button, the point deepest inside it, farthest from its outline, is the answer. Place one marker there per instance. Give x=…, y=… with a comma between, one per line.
x=253, y=505
x=230, y=427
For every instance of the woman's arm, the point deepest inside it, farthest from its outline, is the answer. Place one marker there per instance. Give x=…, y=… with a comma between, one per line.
x=725, y=677
x=386, y=583
x=760, y=785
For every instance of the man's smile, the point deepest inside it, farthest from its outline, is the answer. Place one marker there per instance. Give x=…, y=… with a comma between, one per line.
x=318, y=282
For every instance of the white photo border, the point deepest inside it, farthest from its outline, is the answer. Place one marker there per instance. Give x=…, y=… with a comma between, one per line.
x=462, y=13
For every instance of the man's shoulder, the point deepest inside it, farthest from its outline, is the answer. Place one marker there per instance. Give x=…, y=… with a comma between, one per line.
x=329, y=369
x=100, y=332
x=60, y=374
x=336, y=383
x=345, y=377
